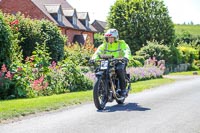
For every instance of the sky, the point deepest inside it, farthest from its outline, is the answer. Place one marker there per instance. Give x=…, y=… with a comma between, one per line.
x=179, y=10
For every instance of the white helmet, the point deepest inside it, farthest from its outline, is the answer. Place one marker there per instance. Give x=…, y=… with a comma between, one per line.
x=112, y=33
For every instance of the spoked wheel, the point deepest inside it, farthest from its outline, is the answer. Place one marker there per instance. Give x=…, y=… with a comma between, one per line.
x=99, y=94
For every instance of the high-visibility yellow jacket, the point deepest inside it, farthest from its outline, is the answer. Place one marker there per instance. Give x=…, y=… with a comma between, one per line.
x=118, y=49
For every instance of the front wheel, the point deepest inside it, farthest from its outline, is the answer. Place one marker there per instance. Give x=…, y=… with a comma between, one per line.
x=99, y=94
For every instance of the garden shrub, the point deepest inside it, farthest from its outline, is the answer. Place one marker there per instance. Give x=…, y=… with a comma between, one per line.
x=38, y=31
x=5, y=41
x=57, y=82
x=28, y=32
x=194, y=67
x=189, y=53
x=78, y=54
x=139, y=58
x=134, y=63
x=38, y=77
x=53, y=38
x=31, y=77
x=77, y=81
x=177, y=57
x=35, y=49
x=154, y=49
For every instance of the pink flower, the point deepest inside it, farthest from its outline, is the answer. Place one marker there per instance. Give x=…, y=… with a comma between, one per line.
x=15, y=22
x=19, y=69
x=41, y=78
x=36, y=85
x=9, y=75
x=3, y=68
x=39, y=84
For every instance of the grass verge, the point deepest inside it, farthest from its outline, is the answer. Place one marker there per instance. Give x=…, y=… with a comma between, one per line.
x=21, y=107
x=143, y=85
x=10, y=109
x=185, y=73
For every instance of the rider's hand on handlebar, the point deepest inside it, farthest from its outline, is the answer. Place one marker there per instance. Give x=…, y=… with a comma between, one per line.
x=125, y=60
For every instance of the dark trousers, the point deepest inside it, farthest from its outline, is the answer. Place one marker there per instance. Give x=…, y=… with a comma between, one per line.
x=121, y=74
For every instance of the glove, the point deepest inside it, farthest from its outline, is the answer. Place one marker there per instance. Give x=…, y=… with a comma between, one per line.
x=125, y=60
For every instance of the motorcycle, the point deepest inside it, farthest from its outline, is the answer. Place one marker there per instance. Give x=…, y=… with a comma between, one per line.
x=106, y=88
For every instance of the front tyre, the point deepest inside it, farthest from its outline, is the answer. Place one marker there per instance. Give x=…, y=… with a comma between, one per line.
x=99, y=94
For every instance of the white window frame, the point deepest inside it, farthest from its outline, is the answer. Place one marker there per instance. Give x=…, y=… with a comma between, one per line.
x=59, y=16
x=86, y=23
x=74, y=20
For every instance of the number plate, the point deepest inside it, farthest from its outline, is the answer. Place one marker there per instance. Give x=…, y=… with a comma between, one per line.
x=104, y=65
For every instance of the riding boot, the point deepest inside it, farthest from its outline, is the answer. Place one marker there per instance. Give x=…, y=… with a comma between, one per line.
x=121, y=75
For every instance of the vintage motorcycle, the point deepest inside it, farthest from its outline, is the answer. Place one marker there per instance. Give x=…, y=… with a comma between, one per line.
x=106, y=88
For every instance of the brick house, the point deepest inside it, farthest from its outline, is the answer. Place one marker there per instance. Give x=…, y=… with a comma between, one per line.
x=73, y=24
x=100, y=26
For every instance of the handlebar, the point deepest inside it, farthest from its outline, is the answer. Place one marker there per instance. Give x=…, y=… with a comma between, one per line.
x=106, y=57
x=110, y=59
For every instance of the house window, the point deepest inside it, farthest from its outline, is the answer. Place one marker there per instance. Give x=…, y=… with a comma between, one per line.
x=59, y=17
x=74, y=20
x=86, y=23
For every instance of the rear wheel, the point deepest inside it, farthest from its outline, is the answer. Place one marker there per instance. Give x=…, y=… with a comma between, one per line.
x=99, y=94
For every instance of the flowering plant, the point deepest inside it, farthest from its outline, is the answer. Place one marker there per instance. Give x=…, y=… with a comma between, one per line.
x=6, y=84
x=144, y=73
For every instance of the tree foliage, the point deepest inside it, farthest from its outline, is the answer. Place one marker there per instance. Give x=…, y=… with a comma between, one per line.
x=98, y=39
x=139, y=21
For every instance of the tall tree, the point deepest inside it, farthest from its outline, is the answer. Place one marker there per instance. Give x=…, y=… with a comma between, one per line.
x=139, y=21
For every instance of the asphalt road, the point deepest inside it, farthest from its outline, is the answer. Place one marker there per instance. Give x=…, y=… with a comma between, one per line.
x=173, y=108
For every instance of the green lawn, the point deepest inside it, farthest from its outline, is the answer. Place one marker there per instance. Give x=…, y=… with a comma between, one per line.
x=192, y=29
x=143, y=85
x=22, y=107
x=185, y=73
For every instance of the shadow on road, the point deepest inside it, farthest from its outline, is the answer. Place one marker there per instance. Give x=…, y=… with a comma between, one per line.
x=124, y=107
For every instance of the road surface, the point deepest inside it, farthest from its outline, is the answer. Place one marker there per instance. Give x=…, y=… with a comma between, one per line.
x=172, y=108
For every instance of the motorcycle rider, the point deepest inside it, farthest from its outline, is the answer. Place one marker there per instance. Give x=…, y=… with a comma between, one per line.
x=119, y=49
